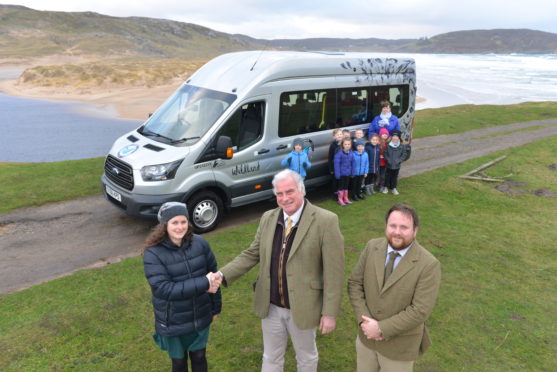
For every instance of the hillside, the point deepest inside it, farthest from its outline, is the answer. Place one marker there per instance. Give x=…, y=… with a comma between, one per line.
x=28, y=33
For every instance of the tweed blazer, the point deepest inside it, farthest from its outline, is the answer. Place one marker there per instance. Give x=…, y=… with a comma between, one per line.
x=314, y=269
x=402, y=305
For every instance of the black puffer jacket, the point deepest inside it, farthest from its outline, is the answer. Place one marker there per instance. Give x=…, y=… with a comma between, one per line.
x=179, y=286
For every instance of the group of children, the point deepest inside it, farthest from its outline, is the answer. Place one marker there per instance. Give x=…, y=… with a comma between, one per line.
x=359, y=165
x=356, y=164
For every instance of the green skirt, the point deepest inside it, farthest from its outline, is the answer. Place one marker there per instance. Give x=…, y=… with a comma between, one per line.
x=177, y=346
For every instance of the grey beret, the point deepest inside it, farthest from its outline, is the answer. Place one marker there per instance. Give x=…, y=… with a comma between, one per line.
x=170, y=210
x=298, y=141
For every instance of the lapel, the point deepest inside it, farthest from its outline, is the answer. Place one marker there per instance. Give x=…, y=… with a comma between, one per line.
x=379, y=257
x=306, y=220
x=407, y=263
x=268, y=235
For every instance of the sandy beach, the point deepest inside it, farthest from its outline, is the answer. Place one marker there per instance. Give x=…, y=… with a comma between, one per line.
x=116, y=101
x=129, y=103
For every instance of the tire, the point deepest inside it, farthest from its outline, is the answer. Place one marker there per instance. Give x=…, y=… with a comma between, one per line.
x=206, y=210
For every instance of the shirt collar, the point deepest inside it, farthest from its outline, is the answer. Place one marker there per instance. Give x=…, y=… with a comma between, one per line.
x=296, y=216
x=401, y=252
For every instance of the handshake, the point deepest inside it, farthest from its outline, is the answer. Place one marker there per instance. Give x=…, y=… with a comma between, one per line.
x=215, y=280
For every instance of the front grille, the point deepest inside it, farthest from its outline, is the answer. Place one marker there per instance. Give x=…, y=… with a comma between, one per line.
x=118, y=172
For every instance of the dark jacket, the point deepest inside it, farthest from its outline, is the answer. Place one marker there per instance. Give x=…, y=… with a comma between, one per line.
x=395, y=156
x=343, y=164
x=179, y=287
x=373, y=154
x=334, y=147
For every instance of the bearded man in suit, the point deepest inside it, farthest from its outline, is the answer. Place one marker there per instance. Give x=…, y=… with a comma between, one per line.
x=300, y=252
x=393, y=289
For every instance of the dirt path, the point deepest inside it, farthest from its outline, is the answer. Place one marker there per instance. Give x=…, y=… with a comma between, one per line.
x=39, y=244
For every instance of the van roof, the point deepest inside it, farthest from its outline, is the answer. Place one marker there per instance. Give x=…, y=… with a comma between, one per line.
x=237, y=72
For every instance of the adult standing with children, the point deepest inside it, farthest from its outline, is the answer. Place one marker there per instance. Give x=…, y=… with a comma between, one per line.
x=179, y=267
x=393, y=289
x=384, y=120
x=300, y=252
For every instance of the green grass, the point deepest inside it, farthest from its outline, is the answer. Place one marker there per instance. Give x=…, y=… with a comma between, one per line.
x=51, y=182
x=495, y=312
x=32, y=184
x=462, y=118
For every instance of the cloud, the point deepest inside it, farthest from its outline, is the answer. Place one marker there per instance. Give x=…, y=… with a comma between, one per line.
x=393, y=19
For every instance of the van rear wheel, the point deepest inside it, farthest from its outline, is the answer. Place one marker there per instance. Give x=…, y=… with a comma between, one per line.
x=206, y=210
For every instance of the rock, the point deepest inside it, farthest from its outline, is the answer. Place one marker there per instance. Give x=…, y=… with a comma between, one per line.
x=545, y=193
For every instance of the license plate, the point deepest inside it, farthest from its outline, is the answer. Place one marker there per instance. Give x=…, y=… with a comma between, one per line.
x=114, y=194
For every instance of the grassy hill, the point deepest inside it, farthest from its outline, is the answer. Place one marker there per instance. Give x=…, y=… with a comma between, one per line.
x=27, y=33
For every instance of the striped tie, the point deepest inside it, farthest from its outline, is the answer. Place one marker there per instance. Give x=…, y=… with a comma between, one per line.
x=288, y=227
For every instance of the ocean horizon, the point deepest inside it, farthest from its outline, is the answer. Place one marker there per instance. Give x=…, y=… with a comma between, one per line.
x=36, y=130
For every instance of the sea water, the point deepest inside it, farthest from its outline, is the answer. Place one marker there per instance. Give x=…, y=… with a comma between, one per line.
x=39, y=130
x=33, y=130
x=453, y=79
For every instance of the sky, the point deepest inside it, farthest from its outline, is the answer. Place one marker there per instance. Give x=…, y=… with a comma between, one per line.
x=385, y=19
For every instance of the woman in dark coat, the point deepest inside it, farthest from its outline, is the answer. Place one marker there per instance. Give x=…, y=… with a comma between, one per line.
x=179, y=267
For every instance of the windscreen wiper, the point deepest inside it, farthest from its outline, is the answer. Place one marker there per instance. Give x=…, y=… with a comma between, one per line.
x=149, y=133
x=184, y=139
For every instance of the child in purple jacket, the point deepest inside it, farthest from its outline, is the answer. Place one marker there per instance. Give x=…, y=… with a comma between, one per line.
x=343, y=170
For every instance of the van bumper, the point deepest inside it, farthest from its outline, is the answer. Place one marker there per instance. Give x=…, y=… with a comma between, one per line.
x=146, y=206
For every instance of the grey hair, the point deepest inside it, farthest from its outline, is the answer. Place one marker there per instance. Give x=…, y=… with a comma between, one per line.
x=288, y=173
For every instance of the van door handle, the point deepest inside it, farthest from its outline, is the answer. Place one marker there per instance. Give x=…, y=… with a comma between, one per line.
x=263, y=151
x=282, y=147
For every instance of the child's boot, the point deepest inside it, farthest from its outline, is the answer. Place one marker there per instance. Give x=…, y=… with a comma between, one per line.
x=340, y=198
x=369, y=190
x=346, y=200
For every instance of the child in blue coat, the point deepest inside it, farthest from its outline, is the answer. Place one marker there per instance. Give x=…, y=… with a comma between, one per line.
x=343, y=170
x=297, y=160
x=360, y=167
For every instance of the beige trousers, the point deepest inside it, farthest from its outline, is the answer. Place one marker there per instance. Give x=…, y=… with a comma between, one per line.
x=276, y=327
x=369, y=360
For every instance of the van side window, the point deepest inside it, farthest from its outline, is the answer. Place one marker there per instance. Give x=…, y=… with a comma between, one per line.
x=306, y=112
x=397, y=95
x=244, y=127
x=354, y=106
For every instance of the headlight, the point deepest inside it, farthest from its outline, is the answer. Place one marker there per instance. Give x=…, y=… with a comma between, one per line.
x=160, y=172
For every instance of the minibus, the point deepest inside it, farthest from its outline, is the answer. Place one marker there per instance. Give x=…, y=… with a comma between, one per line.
x=217, y=141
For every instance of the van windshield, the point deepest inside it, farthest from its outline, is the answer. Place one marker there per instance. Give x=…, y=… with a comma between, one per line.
x=187, y=115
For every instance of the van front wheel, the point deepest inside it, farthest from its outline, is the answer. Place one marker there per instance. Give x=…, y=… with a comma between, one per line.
x=206, y=210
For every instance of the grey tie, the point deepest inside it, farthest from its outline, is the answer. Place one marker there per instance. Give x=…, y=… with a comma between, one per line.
x=390, y=265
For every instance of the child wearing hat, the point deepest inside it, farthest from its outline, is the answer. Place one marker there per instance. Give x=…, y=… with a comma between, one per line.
x=360, y=167
x=297, y=160
x=395, y=154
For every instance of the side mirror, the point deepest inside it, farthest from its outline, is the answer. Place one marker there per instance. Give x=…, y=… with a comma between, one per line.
x=224, y=147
